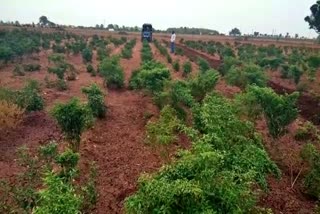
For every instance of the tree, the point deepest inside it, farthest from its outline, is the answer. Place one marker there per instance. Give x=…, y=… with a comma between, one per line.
x=43, y=20
x=110, y=26
x=256, y=34
x=314, y=18
x=296, y=36
x=101, y=26
x=287, y=35
x=235, y=32
x=97, y=26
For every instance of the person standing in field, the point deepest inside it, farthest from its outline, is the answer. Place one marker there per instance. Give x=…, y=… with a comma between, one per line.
x=173, y=39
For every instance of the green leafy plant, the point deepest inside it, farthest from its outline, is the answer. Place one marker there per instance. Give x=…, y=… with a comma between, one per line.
x=176, y=65
x=32, y=67
x=279, y=110
x=151, y=76
x=246, y=75
x=203, y=64
x=18, y=71
x=112, y=72
x=29, y=97
x=204, y=83
x=95, y=100
x=187, y=68
x=311, y=181
x=57, y=197
x=90, y=68
x=73, y=118
x=87, y=55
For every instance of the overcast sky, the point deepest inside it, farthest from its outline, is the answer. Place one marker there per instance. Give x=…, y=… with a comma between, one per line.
x=222, y=15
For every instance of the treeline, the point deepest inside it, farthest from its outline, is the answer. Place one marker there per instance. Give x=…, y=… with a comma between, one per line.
x=186, y=30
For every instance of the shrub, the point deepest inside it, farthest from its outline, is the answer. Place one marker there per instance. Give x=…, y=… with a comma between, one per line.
x=90, y=68
x=89, y=191
x=32, y=67
x=312, y=179
x=203, y=64
x=10, y=114
x=228, y=63
x=112, y=72
x=126, y=53
x=279, y=110
x=272, y=63
x=295, y=72
x=68, y=161
x=95, y=100
x=146, y=54
x=179, y=51
x=18, y=70
x=29, y=98
x=102, y=53
x=284, y=70
x=169, y=59
x=61, y=85
x=58, y=49
x=176, y=65
x=314, y=61
x=307, y=132
x=6, y=53
x=73, y=118
x=247, y=75
x=187, y=68
x=56, y=191
x=151, y=79
x=204, y=83
x=163, y=131
x=87, y=55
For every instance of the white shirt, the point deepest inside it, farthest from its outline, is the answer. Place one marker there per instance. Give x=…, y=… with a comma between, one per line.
x=173, y=37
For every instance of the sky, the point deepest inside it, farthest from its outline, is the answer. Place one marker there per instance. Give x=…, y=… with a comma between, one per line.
x=264, y=16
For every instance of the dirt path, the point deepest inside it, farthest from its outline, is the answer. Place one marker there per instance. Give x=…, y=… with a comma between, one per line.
x=116, y=143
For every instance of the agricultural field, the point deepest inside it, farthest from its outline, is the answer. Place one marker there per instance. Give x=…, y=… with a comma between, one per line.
x=104, y=123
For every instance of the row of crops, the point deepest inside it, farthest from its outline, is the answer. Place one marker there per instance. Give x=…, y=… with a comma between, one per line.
x=225, y=169
x=227, y=165
x=49, y=178
x=292, y=63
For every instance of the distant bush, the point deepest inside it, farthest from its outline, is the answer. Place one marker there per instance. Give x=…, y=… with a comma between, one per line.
x=169, y=59
x=73, y=118
x=295, y=73
x=187, y=68
x=90, y=68
x=32, y=67
x=203, y=64
x=314, y=61
x=58, y=49
x=176, y=65
x=246, y=75
x=18, y=71
x=228, y=63
x=179, y=51
x=87, y=55
x=271, y=62
x=126, y=52
x=102, y=53
x=112, y=72
x=95, y=100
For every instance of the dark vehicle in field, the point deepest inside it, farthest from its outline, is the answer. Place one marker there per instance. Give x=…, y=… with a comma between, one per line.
x=146, y=33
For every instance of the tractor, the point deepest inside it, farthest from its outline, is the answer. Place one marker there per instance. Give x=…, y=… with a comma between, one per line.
x=146, y=33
